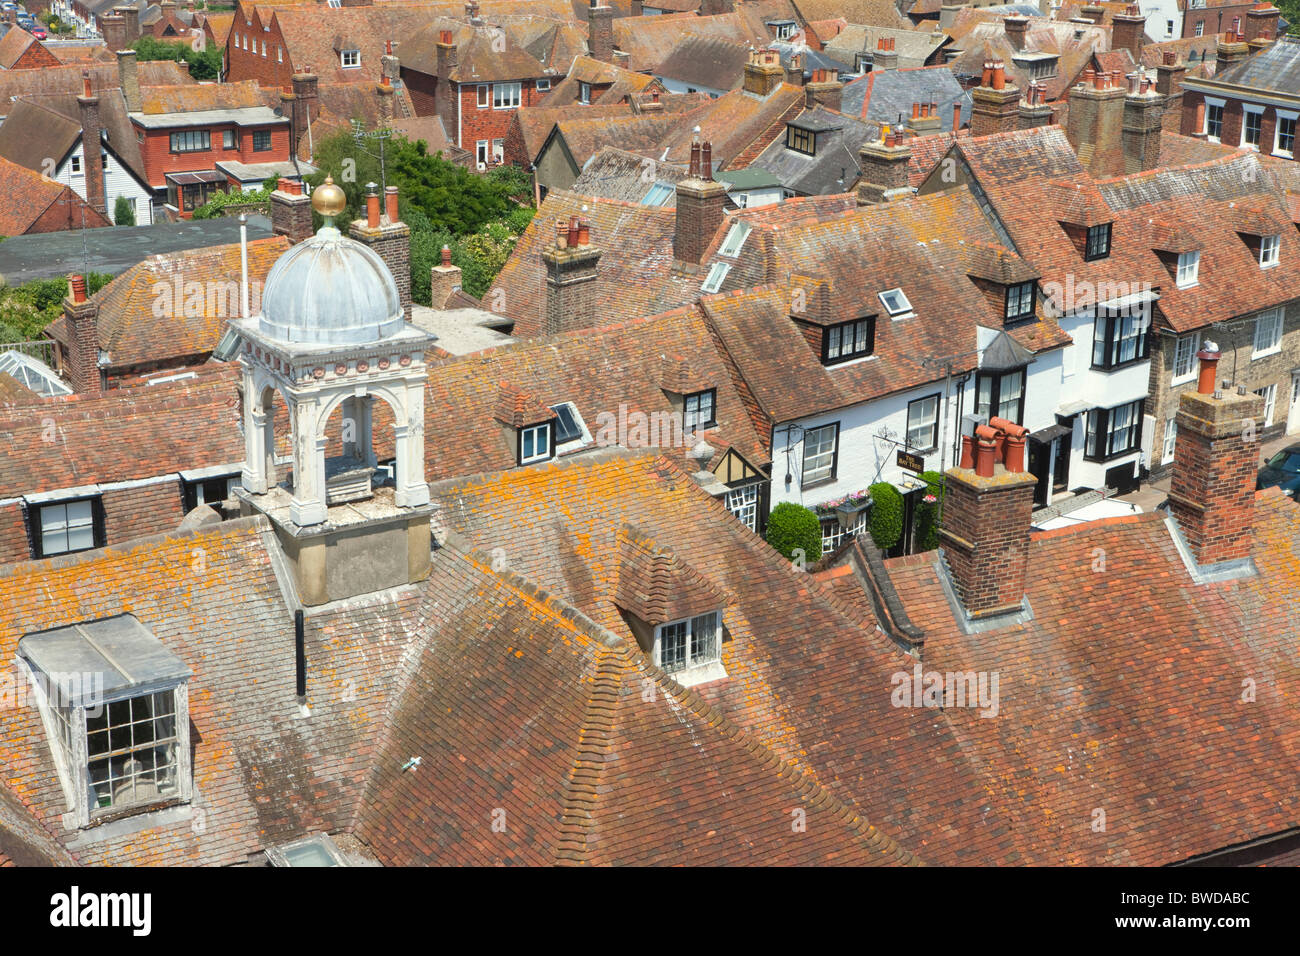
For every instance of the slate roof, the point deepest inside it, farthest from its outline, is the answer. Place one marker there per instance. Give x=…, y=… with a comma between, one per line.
x=1274, y=69
x=881, y=97
x=833, y=169
x=705, y=61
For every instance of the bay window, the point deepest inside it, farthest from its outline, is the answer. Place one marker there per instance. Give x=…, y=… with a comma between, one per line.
x=1113, y=432
x=1120, y=337
x=1000, y=395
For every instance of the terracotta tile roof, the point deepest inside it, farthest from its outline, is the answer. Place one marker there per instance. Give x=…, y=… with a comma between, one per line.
x=1086, y=717
x=219, y=24
x=981, y=35
x=618, y=174
x=612, y=84
x=516, y=408
x=1190, y=51
x=1178, y=150
x=15, y=42
x=124, y=434
x=875, y=13
x=14, y=392
x=657, y=586
x=534, y=47
x=81, y=54
x=648, y=41
x=29, y=196
x=799, y=665
x=914, y=47
x=129, y=328
x=50, y=124
x=706, y=61
x=67, y=79
x=200, y=97
x=598, y=370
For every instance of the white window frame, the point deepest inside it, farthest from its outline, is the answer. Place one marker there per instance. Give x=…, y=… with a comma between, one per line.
x=927, y=426
x=543, y=85
x=507, y=96
x=1184, y=354
x=902, y=307
x=584, y=93
x=76, y=168
x=702, y=629
x=1169, y=441
x=820, y=472
x=481, y=151
x=498, y=151
x=1221, y=105
x=1269, y=394
x=350, y=59
x=1284, y=116
x=1247, y=111
x=1269, y=249
x=1270, y=322
x=543, y=429
x=1200, y=28
x=1189, y=269
x=743, y=503
x=717, y=275
x=735, y=240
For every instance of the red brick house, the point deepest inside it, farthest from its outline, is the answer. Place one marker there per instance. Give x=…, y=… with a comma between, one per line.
x=19, y=50
x=34, y=204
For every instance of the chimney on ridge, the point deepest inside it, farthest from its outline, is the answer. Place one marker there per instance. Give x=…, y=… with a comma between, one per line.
x=763, y=72
x=81, y=363
x=128, y=76
x=700, y=203
x=291, y=211
x=444, y=281
x=1144, y=111
x=571, y=262
x=1096, y=122
x=385, y=233
x=600, y=31
x=1128, y=31
x=995, y=100
x=884, y=164
x=92, y=148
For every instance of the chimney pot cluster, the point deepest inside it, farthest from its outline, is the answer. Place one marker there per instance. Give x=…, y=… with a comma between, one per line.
x=885, y=45
x=999, y=440
x=573, y=234
x=78, y=284
x=444, y=37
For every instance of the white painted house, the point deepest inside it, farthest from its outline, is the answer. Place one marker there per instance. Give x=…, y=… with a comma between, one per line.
x=118, y=181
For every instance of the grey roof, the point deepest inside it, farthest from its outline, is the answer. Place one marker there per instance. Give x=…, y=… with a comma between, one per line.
x=245, y=116
x=705, y=62
x=752, y=177
x=1275, y=69
x=891, y=93
x=1005, y=353
x=833, y=168
x=812, y=59
x=913, y=47
x=44, y=255
x=102, y=660
x=615, y=173
x=1232, y=178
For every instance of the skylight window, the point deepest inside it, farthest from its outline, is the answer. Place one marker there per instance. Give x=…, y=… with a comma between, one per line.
x=735, y=240
x=716, y=276
x=896, y=303
x=569, y=426
x=33, y=374
x=316, y=850
x=659, y=194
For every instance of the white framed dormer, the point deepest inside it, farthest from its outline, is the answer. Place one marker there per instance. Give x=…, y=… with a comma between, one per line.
x=350, y=59
x=1189, y=268
x=1269, y=247
x=114, y=703
x=1252, y=126
x=536, y=443
x=1212, y=128
x=896, y=303
x=690, y=650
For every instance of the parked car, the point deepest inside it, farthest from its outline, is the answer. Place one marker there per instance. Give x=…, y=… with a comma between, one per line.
x=1281, y=471
x=39, y=33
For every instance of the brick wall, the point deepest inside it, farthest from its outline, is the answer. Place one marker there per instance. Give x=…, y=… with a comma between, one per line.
x=275, y=69
x=160, y=160
x=487, y=123
x=699, y=216
x=986, y=537
x=36, y=57
x=14, y=545
x=421, y=88
x=65, y=213
x=134, y=512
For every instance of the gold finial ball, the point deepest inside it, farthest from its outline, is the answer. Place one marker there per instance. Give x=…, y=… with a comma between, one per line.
x=327, y=199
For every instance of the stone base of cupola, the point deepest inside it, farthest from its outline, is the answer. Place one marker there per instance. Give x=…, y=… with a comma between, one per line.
x=361, y=547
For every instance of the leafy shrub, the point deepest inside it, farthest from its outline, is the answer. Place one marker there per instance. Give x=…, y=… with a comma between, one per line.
x=123, y=214
x=886, y=515
x=927, y=512
x=790, y=527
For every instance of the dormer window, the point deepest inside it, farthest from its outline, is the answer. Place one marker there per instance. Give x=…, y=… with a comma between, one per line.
x=801, y=140
x=735, y=240
x=699, y=410
x=350, y=59
x=1020, y=301
x=65, y=527
x=316, y=850
x=115, y=704
x=689, y=644
x=1268, y=250
x=1098, y=242
x=896, y=303
x=1189, y=265
x=535, y=443
x=849, y=340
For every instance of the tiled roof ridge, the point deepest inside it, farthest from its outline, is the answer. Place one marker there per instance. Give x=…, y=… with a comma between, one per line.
x=1224, y=160
x=595, y=743
x=668, y=574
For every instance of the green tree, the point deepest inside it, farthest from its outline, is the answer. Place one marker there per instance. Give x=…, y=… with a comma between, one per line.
x=202, y=64
x=886, y=515
x=123, y=214
x=927, y=512
x=792, y=527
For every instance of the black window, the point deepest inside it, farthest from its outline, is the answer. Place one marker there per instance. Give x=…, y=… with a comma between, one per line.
x=699, y=410
x=1098, y=242
x=208, y=491
x=801, y=140
x=261, y=140
x=190, y=141
x=1001, y=395
x=1113, y=431
x=848, y=340
x=66, y=527
x=1121, y=336
x=1020, y=300
x=568, y=426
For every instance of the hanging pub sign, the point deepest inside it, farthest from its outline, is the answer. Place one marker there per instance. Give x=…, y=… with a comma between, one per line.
x=910, y=462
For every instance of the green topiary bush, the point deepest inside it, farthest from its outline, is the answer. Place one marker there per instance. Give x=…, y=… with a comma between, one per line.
x=886, y=515
x=123, y=214
x=927, y=513
x=791, y=526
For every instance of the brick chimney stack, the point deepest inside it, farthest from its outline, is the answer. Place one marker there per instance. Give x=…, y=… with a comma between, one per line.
x=291, y=211
x=1216, y=456
x=600, y=31
x=985, y=534
x=1233, y=48
x=388, y=236
x=925, y=119
x=1144, y=110
x=128, y=76
x=884, y=168
x=823, y=90
x=1016, y=27
x=444, y=91
x=445, y=280
x=700, y=204
x=1261, y=22
x=885, y=57
x=113, y=28
x=92, y=146
x=131, y=18
x=1032, y=110
x=1096, y=122
x=81, y=363
x=995, y=101
x=1128, y=31
x=571, y=265
x=763, y=72
x=794, y=70
x=305, y=109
